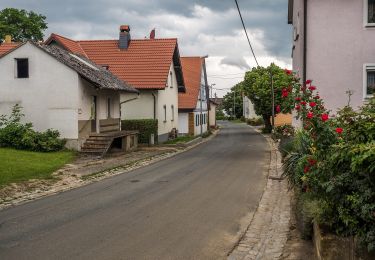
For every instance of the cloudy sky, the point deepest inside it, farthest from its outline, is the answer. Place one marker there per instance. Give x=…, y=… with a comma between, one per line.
x=203, y=27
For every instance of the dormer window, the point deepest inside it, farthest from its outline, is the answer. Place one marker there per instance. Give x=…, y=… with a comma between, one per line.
x=22, y=68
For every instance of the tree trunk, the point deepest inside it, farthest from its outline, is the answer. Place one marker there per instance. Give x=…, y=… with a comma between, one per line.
x=267, y=124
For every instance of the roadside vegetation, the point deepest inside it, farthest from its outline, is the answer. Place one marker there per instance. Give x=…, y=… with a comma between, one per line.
x=17, y=166
x=181, y=139
x=330, y=162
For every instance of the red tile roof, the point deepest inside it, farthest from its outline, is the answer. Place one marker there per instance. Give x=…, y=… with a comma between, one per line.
x=191, y=69
x=5, y=47
x=69, y=44
x=144, y=65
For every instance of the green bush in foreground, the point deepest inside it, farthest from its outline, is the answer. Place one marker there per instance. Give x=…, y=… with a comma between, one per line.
x=15, y=134
x=146, y=127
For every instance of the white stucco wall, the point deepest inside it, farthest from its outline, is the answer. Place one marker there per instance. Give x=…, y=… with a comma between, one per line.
x=168, y=97
x=140, y=108
x=204, y=123
x=49, y=96
x=338, y=46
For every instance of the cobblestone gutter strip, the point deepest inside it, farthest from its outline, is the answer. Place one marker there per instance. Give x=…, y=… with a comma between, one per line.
x=82, y=173
x=268, y=231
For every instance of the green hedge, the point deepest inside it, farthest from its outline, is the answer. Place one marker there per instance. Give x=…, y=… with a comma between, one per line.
x=146, y=127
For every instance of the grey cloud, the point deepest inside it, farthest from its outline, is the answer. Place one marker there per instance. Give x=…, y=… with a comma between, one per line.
x=236, y=62
x=105, y=16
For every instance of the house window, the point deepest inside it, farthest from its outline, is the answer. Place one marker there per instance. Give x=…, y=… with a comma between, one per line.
x=108, y=108
x=170, y=79
x=369, y=12
x=172, y=110
x=196, y=120
x=368, y=80
x=165, y=113
x=22, y=68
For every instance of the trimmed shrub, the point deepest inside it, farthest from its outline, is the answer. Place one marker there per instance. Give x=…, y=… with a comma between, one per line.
x=146, y=127
x=255, y=121
x=15, y=134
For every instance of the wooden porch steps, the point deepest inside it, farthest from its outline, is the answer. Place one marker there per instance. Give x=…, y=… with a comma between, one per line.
x=100, y=144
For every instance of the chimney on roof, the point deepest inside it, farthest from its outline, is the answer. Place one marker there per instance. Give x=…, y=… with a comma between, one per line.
x=8, y=39
x=124, y=38
x=152, y=34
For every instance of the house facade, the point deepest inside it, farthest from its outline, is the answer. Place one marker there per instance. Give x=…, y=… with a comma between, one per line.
x=193, y=104
x=152, y=66
x=59, y=90
x=333, y=44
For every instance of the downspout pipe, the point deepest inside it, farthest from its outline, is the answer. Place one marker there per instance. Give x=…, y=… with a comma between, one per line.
x=304, y=41
x=154, y=96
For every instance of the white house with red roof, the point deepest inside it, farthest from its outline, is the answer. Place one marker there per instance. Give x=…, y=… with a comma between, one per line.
x=61, y=90
x=152, y=66
x=193, y=104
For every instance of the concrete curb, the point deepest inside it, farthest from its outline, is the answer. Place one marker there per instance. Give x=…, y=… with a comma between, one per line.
x=268, y=229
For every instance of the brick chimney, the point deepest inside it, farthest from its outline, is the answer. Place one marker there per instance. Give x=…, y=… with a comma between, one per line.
x=124, y=38
x=8, y=39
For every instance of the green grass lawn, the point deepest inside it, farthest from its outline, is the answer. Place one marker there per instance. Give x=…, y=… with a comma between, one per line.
x=16, y=165
x=181, y=139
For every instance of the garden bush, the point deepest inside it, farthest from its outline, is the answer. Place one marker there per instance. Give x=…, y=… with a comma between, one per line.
x=146, y=127
x=255, y=121
x=15, y=134
x=333, y=160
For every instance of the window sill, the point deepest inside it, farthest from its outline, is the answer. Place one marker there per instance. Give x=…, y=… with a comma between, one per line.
x=369, y=25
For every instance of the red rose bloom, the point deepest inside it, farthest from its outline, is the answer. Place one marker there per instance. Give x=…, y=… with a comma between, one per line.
x=317, y=97
x=303, y=103
x=339, y=130
x=298, y=107
x=310, y=115
x=306, y=169
x=285, y=94
x=312, y=104
x=324, y=117
x=297, y=99
x=312, y=162
x=308, y=81
x=278, y=109
x=312, y=88
x=288, y=72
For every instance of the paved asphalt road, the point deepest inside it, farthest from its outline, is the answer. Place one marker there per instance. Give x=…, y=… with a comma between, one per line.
x=191, y=206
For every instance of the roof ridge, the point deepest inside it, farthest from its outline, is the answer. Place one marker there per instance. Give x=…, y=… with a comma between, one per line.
x=93, y=40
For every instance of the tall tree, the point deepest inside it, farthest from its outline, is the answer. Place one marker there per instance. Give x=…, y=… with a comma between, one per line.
x=233, y=100
x=257, y=86
x=21, y=24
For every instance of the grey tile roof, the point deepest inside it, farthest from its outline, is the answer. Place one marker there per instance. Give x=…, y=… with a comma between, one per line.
x=98, y=76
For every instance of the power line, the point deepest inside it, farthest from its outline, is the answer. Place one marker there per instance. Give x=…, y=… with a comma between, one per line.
x=247, y=36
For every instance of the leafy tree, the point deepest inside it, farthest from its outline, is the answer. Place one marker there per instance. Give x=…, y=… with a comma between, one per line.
x=235, y=95
x=21, y=24
x=257, y=86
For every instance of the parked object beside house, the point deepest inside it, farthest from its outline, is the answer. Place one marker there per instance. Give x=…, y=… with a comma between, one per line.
x=62, y=91
x=150, y=65
x=333, y=44
x=193, y=104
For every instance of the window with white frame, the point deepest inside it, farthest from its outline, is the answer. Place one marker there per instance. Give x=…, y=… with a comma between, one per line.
x=369, y=12
x=172, y=110
x=196, y=120
x=369, y=80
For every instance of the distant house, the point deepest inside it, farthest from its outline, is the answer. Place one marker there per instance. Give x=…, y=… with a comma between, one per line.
x=152, y=66
x=60, y=90
x=248, y=108
x=212, y=113
x=334, y=45
x=193, y=104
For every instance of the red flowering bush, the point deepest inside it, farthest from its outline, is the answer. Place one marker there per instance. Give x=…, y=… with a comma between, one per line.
x=334, y=161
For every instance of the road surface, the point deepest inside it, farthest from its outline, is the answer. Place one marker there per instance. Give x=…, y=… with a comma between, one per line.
x=191, y=206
